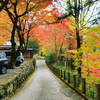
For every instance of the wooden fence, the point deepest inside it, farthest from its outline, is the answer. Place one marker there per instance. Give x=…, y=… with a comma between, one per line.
x=78, y=84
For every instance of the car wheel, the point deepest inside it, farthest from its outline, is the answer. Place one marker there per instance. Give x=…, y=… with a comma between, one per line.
x=17, y=63
x=3, y=70
x=22, y=60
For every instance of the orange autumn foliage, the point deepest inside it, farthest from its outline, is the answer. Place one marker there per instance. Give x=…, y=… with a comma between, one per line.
x=5, y=28
x=54, y=37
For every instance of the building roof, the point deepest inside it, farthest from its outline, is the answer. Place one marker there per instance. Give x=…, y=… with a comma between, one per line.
x=3, y=47
x=8, y=47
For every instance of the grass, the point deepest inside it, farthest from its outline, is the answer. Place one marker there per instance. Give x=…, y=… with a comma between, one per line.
x=62, y=67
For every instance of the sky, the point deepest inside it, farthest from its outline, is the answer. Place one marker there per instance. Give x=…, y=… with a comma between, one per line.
x=92, y=13
x=61, y=5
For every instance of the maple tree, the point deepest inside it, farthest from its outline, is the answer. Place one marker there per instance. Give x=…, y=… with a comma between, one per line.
x=28, y=22
x=16, y=9
x=60, y=37
x=90, y=50
x=79, y=9
x=54, y=39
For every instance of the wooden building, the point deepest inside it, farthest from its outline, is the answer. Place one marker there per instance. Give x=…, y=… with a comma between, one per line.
x=28, y=53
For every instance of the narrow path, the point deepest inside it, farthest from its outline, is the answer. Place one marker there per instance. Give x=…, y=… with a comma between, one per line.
x=45, y=86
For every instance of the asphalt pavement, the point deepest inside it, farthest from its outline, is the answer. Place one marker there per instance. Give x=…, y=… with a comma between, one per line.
x=44, y=85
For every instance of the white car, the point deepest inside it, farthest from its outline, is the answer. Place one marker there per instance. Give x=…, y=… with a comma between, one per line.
x=19, y=58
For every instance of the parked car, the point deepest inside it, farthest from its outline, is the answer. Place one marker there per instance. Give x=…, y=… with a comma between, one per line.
x=3, y=63
x=19, y=58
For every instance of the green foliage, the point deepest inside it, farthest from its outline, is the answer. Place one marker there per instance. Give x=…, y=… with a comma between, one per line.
x=33, y=44
x=59, y=65
x=39, y=57
x=91, y=91
x=78, y=60
x=34, y=62
x=70, y=63
x=50, y=58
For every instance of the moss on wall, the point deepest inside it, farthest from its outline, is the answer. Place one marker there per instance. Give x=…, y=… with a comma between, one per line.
x=10, y=86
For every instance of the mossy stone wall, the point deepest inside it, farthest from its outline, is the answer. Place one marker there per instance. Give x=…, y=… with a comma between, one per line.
x=14, y=82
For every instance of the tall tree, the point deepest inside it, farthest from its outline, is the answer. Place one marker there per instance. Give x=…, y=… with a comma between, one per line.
x=54, y=39
x=91, y=51
x=16, y=9
x=80, y=10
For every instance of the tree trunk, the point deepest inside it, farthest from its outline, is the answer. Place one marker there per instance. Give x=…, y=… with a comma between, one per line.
x=13, y=46
x=78, y=38
x=77, y=10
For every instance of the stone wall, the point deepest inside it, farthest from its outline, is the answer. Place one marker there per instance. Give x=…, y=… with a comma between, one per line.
x=14, y=82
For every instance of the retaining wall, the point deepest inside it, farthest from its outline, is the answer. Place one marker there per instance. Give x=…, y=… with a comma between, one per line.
x=14, y=82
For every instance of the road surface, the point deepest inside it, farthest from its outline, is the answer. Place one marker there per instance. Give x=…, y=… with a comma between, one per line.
x=45, y=86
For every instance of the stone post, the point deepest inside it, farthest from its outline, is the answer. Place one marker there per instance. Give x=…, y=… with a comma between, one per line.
x=83, y=85
x=74, y=81
x=68, y=75
x=64, y=75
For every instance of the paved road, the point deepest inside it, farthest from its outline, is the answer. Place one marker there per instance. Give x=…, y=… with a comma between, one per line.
x=45, y=86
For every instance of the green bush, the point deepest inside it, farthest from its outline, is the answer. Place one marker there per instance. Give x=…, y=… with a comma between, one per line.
x=34, y=62
x=33, y=44
x=50, y=58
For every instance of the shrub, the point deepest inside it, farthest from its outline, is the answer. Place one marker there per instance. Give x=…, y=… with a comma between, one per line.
x=50, y=58
x=34, y=62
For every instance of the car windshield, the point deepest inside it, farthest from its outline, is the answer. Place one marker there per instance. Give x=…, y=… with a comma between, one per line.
x=9, y=53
